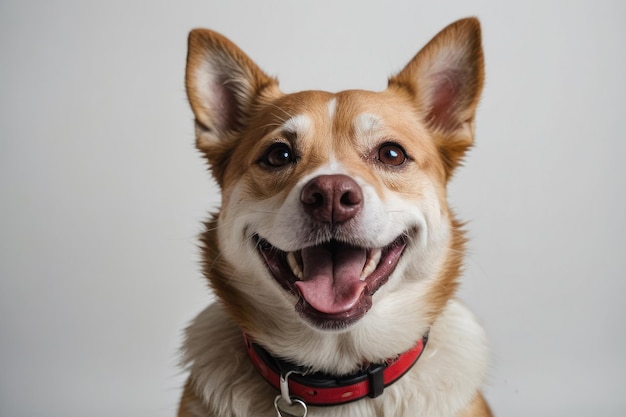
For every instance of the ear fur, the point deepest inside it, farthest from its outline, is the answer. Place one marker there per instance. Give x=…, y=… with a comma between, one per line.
x=445, y=80
x=223, y=86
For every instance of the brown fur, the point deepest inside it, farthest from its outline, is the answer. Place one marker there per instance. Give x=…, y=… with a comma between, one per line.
x=429, y=113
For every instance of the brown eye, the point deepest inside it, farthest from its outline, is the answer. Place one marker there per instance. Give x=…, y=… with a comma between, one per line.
x=278, y=155
x=391, y=154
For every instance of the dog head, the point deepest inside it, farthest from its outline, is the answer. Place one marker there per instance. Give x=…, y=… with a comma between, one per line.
x=334, y=216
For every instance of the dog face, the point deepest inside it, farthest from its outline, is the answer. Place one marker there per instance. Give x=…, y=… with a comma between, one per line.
x=334, y=212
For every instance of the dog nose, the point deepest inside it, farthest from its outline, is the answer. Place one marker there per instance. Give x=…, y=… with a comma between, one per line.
x=332, y=198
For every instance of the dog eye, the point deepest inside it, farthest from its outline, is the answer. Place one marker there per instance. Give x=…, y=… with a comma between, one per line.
x=391, y=154
x=278, y=155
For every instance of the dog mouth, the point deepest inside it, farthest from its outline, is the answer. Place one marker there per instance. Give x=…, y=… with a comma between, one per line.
x=334, y=281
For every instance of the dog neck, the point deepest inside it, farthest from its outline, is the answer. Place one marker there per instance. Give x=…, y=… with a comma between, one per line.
x=317, y=388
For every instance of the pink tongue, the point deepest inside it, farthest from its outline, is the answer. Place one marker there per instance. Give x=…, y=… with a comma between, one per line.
x=330, y=282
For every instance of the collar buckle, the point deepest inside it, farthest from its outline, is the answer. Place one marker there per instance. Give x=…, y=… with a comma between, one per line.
x=376, y=378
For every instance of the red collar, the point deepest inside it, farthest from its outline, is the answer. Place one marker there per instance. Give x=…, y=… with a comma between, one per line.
x=324, y=389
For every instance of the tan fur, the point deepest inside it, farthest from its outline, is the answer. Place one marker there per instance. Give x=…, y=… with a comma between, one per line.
x=189, y=401
x=477, y=408
x=428, y=109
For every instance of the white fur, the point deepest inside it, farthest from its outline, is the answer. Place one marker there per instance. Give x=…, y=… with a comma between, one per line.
x=367, y=125
x=448, y=376
x=332, y=107
x=382, y=220
x=299, y=125
x=444, y=380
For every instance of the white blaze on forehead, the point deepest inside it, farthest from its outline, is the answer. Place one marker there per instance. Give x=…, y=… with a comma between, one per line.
x=298, y=125
x=332, y=107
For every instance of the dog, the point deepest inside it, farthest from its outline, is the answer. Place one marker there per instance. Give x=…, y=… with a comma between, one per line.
x=334, y=256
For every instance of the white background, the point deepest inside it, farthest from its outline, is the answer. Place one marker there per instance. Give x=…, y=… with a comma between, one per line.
x=102, y=193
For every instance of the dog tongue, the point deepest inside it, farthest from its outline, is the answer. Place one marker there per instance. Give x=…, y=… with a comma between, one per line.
x=331, y=277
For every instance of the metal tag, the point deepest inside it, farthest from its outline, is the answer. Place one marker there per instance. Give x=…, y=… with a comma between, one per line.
x=297, y=408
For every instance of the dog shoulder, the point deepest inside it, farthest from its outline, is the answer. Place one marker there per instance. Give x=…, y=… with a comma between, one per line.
x=446, y=380
x=222, y=381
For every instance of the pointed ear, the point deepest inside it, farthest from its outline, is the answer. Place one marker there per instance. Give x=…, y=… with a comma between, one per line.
x=445, y=79
x=223, y=86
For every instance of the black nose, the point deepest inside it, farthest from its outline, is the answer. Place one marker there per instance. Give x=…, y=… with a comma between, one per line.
x=332, y=198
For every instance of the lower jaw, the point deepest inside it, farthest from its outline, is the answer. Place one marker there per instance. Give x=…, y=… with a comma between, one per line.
x=339, y=321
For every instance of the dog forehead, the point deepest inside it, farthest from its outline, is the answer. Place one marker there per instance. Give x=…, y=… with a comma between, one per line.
x=334, y=118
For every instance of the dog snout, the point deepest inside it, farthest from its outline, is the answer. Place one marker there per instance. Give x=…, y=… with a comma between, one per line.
x=332, y=198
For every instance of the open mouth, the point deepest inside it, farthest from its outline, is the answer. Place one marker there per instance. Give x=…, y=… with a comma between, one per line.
x=335, y=281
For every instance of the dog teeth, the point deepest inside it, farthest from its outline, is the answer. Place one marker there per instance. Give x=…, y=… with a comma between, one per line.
x=371, y=263
x=293, y=264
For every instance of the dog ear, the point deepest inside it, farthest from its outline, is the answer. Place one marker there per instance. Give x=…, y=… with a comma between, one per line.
x=223, y=86
x=445, y=79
